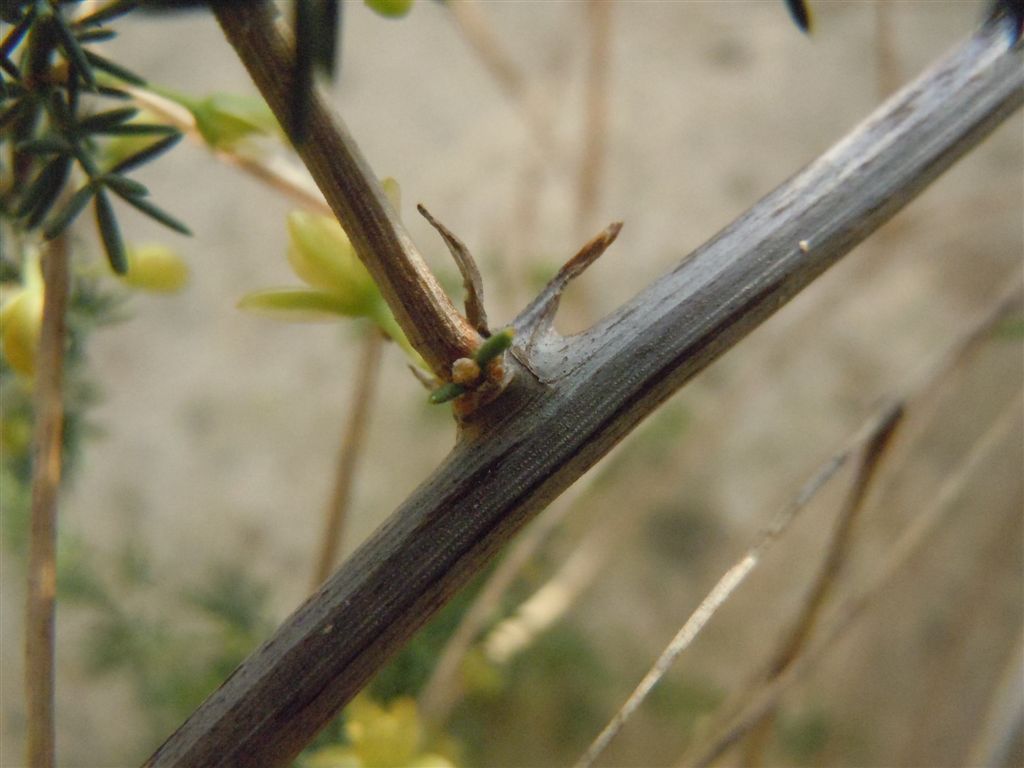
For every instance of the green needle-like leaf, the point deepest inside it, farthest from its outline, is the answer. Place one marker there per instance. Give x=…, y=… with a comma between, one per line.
x=154, y=212
x=446, y=392
x=107, y=13
x=95, y=35
x=138, y=129
x=110, y=233
x=69, y=212
x=123, y=186
x=43, y=191
x=44, y=145
x=16, y=35
x=113, y=69
x=146, y=154
x=73, y=50
x=494, y=346
x=801, y=14
x=104, y=120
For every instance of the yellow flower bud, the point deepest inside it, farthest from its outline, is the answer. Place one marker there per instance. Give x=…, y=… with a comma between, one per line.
x=321, y=254
x=21, y=319
x=156, y=268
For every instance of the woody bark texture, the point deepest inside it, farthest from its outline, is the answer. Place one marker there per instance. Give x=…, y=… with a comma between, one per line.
x=424, y=312
x=573, y=398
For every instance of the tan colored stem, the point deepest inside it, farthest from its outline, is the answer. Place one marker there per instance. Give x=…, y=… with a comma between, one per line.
x=46, y=472
x=423, y=310
x=795, y=641
x=348, y=455
x=765, y=698
x=272, y=171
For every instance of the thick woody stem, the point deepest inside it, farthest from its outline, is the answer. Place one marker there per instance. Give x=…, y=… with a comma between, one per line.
x=432, y=324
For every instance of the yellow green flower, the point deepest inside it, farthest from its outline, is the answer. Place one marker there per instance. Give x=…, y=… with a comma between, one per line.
x=155, y=268
x=390, y=736
x=337, y=283
x=21, y=319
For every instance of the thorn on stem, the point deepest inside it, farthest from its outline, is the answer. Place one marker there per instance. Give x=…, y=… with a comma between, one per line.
x=471, y=280
x=540, y=313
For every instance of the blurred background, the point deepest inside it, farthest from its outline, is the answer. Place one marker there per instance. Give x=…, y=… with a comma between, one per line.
x=192, y=520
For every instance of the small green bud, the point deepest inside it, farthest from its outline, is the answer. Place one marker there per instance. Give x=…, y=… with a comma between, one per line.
x=155, y=268
x=21, y=319
x=494, y=346
x=391, y=8
x=446, y=392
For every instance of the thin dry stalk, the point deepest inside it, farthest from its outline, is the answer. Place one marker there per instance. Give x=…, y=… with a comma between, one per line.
x=353, y=440
x=763, y=700
x=550, y=602
x=796, y=639
x=477, y=31
x=40, y=619
x=595, y=119
x=269, y=169
x=721, y=592
x=874, y=432
x=1002, y=725
x=420, y=306
x=444, y=688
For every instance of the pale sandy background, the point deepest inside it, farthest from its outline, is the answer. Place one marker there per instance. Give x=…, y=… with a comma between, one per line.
x=221, y=428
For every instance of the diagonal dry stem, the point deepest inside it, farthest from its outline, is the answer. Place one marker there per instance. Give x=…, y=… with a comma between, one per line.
x=796, y=639
x=870, y=440
x=762, y=700
x=273, y=171
x=423, y=310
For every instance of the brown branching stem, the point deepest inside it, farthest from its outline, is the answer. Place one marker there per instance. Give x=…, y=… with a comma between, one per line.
x=580, y=396
x=352, y=442
x=40, y=619
x=422, y=309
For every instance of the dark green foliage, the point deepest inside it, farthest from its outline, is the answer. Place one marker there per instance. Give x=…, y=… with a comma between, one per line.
x=801, y=15
x=47, y=72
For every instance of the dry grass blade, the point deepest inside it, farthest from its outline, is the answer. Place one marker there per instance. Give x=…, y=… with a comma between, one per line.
x=795, y=641
x=46, y=474
x=872, y=438
x=763, y=700
x=1002, y=725
x=273, y=171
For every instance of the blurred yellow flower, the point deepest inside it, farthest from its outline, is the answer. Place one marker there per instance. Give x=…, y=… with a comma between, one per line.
x=155, y=268
x=21, y=318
